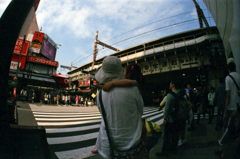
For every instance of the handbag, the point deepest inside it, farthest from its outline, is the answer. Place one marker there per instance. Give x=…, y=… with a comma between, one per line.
x=137, y=152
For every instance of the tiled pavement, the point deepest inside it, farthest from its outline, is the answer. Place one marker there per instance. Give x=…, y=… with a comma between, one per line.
x=201, y=144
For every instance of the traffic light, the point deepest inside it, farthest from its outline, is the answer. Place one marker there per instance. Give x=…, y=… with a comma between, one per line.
x=28, y=75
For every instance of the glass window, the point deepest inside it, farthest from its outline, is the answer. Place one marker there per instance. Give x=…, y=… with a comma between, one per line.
x=174, y=62
x=164, y=64
x=155, y=66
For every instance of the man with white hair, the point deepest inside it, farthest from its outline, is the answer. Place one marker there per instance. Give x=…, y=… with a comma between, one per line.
x=123, y=107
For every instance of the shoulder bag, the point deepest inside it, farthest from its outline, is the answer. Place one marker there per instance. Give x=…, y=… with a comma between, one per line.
x=137, y=152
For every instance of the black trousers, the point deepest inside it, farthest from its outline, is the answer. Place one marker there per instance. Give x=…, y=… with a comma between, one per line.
x=170, y=143
x=211, y=111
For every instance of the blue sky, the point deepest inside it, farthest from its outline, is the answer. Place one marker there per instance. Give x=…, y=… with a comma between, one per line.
x=73, y=24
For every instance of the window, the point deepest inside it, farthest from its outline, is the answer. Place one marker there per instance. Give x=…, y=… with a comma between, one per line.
x=146, y=67
x=174, y=62
x=164, y=64
x=155, y=66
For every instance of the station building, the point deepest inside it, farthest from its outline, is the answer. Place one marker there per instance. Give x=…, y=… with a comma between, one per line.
x=197, y=56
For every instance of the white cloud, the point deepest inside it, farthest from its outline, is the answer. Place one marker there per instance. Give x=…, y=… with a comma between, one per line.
x=3, y=5
x=73, y=23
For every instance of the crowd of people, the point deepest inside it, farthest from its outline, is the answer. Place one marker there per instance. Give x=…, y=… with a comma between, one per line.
x=67, y=99
x=128, y=137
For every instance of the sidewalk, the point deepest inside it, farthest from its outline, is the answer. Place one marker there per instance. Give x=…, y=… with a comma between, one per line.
x=201, y=144
x=26, y=140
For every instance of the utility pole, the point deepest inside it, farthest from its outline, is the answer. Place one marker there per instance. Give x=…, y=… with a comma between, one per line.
x=95, y=48
x=201, y=16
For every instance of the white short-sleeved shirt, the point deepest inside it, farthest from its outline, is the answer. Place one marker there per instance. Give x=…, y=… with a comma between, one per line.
x=124, y=109
x=230, y=85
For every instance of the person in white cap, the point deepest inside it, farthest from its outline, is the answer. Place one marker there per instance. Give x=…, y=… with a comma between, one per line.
x=123, y=107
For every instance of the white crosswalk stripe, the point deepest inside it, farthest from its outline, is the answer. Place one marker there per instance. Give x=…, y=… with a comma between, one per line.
x=72, y=131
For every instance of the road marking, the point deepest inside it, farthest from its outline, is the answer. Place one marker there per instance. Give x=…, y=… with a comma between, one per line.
x=77, y=138
x=67, y=130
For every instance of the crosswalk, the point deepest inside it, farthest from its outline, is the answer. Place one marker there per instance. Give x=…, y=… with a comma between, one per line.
x=72, y=131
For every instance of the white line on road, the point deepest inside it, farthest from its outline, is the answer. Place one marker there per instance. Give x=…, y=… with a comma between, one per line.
x=67, y=123
x=67, y=130
x=70, y=139
x=66, y=119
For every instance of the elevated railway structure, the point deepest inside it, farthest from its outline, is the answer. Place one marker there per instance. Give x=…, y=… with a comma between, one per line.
x=194, y=55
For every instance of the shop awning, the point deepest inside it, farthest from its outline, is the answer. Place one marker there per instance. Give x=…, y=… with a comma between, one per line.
x=86, y=91
x=43, y=79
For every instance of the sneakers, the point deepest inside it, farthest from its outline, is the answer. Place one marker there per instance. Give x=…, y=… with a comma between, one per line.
x=181, y=142
x=94, y=151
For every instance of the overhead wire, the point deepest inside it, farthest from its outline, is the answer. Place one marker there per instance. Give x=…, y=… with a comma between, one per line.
x=146, y=33
x=139, y=28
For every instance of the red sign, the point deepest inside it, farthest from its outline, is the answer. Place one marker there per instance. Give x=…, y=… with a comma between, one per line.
x=42, y=61
x=37, y=42
x=94, y=82
x=22, y=61
x=38, y=37
x=18, y=46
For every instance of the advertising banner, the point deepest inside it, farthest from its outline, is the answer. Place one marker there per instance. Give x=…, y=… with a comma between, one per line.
x=18, y=47
x=84, y=82
x=37, y=42
x=42, y=61
x=48, y=49
x=14, y=62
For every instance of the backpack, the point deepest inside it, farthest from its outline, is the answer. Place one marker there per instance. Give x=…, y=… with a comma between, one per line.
x=180, y=108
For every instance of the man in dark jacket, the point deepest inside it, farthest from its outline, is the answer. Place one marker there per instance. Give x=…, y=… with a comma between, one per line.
x=193, y=101
x=220, y=100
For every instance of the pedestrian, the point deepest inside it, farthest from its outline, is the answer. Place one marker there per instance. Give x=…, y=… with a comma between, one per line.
x=57, y=98
x=199, y=103
x=205, y=100
x=49, y=99
x=80, y=100
x=192, y=100
x=46, y=98
x=220, y=100
x=63, y=99
x=121, y=104
x=69, y=99
x=33, y=97
x=182, y=122
x=86, y=100
x=171, y=129
x=211, y=96
x=66, y=99
x=83, y=101
x=76, y=100
x=232, y=100
x=163, y=102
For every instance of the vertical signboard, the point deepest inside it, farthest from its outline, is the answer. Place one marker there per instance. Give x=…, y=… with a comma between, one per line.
x=37, y=42
x=18, y=47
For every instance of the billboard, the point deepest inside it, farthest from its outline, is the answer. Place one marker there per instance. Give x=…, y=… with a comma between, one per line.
x=48, y=49
x=84, y=82
x=37, y=42
x=42, y=61
x=14, y=62
x=18, y=47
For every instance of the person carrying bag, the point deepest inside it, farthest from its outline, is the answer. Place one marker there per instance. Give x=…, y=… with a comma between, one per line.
x=138, y=151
